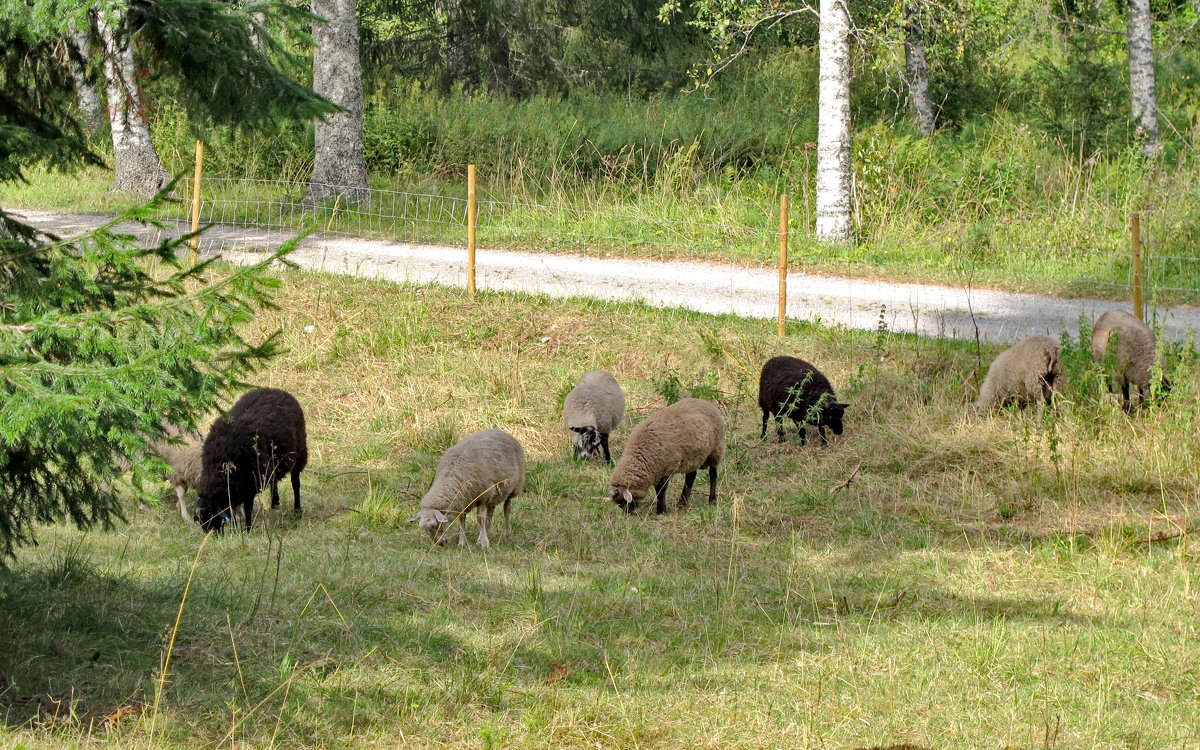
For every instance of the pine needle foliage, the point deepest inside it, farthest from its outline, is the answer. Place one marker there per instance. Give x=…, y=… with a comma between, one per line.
x=103, y=343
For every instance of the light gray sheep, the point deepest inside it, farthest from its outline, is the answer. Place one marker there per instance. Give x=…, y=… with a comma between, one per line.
x=681, y=439
x=592, y=410
x=1027, y=373
x=482, y=470
x=184, y=459
x=1132, y=355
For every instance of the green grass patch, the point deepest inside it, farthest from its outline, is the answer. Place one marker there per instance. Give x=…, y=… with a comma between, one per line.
x=984, y=582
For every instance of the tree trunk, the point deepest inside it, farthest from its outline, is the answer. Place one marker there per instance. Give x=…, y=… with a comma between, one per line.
x=340, y=167
x=1141, y=76
x=85, y=92
x=459, y=68
x=833, y=124
x=138, y=170
x=257, y=20
x=916, y=70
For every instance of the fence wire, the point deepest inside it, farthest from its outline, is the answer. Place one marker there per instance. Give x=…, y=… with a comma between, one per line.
x=720, y=267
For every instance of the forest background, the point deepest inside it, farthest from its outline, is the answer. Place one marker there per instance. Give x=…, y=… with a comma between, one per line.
x=706, y=111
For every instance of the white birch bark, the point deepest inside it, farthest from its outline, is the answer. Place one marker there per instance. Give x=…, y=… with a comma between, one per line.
x=340, y=167
x=137, y=168
x=833, y=124
x=916, y=70
x=1141, y=76
x=85, y=92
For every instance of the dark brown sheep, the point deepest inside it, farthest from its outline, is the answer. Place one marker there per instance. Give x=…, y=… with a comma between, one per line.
x=259, y=441
x=790, y=387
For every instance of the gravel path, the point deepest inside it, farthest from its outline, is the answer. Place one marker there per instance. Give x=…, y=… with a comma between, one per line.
x=926, y=309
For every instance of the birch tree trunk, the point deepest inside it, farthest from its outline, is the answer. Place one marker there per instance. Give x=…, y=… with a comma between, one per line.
x=1141, y=76
x=85, y=92
x=340, y=167
x=916, y=70
x=833, y=124
x=137, y=168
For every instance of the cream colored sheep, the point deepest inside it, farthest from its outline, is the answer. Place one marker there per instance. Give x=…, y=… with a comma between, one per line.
x=480, y=471
x=184, y=459
x=1132, y=354
x=1027, y=373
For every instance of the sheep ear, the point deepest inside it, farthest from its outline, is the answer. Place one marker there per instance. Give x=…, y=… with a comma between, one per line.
x=441, y=517
x=580, y=430
x=627, y=495
x=414, y=518
x=841, y=405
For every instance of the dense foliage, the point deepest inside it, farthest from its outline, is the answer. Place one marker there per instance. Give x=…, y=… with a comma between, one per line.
x=103, y=341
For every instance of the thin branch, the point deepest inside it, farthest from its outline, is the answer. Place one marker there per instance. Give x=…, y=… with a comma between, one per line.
x=1070, y=22
x=846, y=484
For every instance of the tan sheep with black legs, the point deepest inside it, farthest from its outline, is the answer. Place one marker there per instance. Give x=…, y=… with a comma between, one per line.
x=591, y=411
x=1028, y=373
x=681, y=439
x=482, y=470
x=1132, y=352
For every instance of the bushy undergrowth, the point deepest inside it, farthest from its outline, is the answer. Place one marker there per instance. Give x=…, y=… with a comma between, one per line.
x=983, y=581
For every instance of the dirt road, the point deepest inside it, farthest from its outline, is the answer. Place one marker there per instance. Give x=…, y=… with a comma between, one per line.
x=926, y=309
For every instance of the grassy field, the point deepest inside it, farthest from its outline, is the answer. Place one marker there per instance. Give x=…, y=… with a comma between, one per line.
x=984, y=582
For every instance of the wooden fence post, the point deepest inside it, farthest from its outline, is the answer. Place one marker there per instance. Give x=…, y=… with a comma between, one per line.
x=471, y=230
x=783, y=261
x=1135, y=263
x=196, y=199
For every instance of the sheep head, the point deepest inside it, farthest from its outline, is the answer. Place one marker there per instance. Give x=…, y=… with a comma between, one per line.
x=626, y=497
x=433, y=522
x=587, y=441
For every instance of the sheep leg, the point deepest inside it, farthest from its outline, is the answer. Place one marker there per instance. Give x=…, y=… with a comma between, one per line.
x=1128, y=406
x=508, y=518
x=485, y=519
x=766, y=418
x=179, y=493
x=274, y=493
x=712, y=485
x=687, y=488
x=800, y=431
x=660, y=492
x=249, y=508
x=604, y=445
x=779, y=426
x=462, y=528
x=296, y=493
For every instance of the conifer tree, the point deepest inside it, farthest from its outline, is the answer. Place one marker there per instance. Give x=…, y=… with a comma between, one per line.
x=101, y=340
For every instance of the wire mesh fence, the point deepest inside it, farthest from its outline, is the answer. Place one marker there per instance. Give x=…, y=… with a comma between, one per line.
x=955, y=288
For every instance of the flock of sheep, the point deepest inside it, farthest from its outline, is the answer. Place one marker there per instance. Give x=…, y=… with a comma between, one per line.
x=262, y=438
x=1031, y=371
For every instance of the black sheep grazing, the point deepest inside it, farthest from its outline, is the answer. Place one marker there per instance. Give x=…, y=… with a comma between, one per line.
x=260, y=440
x=790, y=387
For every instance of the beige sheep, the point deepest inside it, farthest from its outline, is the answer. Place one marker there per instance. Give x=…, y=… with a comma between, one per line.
x=680, y=439
x=592, y=410
x=480, y=471
x=1028, y=373
x=184, y=458
x=1133, y=353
